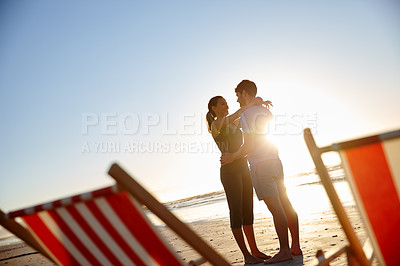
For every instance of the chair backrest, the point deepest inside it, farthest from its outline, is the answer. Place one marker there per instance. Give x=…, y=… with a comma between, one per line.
x=372, y=168
x=128, y=183
x=373, y=171
x=105, y=226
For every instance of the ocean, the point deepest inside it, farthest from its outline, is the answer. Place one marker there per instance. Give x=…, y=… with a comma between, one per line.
x=304, y=190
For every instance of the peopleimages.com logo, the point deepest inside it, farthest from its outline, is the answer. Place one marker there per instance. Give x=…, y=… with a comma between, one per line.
x=181, y=124
x=141, y=124
x=112, y=132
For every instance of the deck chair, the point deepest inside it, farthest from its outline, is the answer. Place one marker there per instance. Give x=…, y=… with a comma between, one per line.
x=372, y=168
x=105, y=227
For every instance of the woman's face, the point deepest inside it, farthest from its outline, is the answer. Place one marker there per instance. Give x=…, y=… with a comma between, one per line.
x=221, y=109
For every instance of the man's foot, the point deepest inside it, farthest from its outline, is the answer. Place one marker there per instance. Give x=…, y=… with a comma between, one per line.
x=252, y=260
x=260, y=255
x=281, y=256
x=296, y=251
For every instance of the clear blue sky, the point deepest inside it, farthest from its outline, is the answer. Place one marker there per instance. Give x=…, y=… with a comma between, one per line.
x=337, y=62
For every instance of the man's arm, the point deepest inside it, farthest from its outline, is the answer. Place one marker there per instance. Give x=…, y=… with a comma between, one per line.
x=243, y=151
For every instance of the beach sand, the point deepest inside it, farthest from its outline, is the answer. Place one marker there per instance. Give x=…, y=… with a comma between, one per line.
x=317, y=231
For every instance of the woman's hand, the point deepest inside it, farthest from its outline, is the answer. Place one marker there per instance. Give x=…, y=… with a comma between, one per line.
x=267, y=104
x=258, y=101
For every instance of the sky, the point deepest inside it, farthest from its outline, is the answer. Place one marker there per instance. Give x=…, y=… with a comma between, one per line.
x=86, y=84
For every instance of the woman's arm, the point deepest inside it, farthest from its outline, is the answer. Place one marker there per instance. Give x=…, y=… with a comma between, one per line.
x=267, y=104
x=218, y=124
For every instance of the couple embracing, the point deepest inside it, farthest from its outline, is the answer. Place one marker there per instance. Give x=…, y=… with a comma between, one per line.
x=265, y=174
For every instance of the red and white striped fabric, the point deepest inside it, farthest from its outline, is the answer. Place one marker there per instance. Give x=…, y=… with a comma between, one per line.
x=104, y=227
x=374, y=175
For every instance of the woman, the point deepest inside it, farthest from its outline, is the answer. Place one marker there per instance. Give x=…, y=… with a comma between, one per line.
x=235, y=177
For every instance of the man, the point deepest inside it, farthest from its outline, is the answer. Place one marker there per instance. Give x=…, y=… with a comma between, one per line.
x=266, y=171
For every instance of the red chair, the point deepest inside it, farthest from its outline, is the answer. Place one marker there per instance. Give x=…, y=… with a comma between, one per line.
x=372, y=168
x=104, y=227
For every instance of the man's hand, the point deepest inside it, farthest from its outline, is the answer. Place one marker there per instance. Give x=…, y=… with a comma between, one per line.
x=227, y=158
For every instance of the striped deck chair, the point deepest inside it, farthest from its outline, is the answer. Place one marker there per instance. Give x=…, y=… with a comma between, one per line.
x=372, y=168
x=105, y=227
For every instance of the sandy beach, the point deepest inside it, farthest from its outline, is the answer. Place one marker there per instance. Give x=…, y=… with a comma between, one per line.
x=317, y=231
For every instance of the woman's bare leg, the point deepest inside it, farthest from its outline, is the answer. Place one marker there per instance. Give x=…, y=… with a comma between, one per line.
x=248, y=258
x=249, y=232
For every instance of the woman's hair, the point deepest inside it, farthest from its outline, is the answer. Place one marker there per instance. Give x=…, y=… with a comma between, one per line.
x=211, y=114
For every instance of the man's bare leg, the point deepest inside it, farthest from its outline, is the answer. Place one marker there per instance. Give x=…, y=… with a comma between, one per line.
x=293, y=220
x=248, y=258
x=281, y=227
x=293, y=223
x=249, y=232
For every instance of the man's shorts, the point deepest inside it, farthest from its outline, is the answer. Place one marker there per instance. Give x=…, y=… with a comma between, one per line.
x=264, y=176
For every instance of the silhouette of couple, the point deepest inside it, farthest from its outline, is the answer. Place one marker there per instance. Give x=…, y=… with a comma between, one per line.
x=265, y=174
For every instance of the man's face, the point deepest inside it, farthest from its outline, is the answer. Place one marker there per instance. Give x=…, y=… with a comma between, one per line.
x=240, y=99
